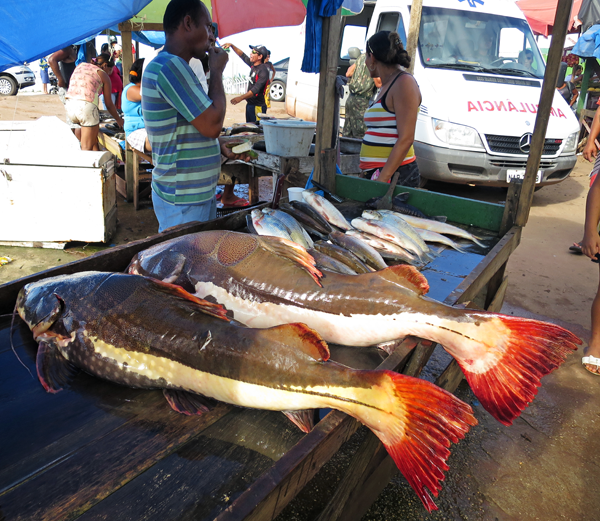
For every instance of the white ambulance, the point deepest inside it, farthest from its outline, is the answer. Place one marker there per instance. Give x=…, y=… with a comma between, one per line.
x=480, y=73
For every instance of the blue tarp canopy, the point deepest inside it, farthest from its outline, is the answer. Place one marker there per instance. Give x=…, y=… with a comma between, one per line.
x=32, y=29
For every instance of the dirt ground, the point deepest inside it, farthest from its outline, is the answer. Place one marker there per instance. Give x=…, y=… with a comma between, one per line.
x=546, y=466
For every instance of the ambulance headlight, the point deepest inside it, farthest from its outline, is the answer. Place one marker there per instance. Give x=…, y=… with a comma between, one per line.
x=570, y=144
x=456, y=135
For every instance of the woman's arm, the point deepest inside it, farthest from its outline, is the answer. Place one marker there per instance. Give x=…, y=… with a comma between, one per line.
x=403, y=99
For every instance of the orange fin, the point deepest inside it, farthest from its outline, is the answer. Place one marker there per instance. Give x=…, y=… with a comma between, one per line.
x=214, y=310
x=407, y=276
x=300, y=338
x=187, y=403
x=293, y=252
x=431, y=419
x=534, y=349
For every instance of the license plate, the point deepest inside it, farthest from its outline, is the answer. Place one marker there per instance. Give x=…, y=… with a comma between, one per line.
x=520, y=174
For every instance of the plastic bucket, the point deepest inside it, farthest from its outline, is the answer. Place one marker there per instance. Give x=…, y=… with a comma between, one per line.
x=288, y=137
x=295, y=193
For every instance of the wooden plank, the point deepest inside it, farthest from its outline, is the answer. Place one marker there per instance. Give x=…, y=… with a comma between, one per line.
x=327, y=119
x=458, y=209
x=510, y=207
x=127, y=55
x=139, y=26
x=269, y=494
x=561, y=23
x=479, y=277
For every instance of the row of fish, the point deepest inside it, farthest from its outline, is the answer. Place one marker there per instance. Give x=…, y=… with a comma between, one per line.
x=264, y=345
x=386, y=234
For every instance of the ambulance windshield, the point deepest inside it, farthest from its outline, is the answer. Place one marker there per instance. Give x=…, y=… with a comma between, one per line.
x=465, y=40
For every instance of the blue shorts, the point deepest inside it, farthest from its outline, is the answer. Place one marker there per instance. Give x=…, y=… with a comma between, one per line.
x=169, y=215
x=44, y=76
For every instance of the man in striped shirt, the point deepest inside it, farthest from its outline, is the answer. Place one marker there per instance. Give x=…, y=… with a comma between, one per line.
x=182, y=120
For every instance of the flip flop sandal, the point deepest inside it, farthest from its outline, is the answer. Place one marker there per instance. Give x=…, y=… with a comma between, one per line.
x=576, y=248
x=591, y=360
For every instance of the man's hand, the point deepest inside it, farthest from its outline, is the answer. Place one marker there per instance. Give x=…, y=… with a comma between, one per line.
x=590, y=150
x=217, y=59
x=236, y=100
x=590, y=245
x=226, y=151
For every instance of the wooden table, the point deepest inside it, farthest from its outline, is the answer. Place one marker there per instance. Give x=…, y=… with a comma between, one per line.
x=100, y=451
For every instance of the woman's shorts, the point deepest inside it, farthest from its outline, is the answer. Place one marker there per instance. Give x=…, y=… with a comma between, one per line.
x=81, y=113
x=137, y=139
x=44, y=76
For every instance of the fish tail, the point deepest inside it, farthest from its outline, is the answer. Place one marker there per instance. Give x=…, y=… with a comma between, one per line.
x=529, y=350
x=417, y=430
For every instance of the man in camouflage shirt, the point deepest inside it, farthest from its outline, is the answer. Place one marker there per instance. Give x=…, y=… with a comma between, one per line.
x=362, y=87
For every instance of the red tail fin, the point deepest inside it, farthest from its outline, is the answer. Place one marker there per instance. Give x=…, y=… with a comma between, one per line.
x=532, y=350
x=429, y=419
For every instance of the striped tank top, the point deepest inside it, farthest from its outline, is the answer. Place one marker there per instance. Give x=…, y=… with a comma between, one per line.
x=381, y=135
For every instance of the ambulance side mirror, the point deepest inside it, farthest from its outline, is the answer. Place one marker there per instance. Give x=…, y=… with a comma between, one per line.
x=562, y=72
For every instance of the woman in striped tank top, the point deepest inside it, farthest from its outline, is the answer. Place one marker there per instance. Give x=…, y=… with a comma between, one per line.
x=387, y=146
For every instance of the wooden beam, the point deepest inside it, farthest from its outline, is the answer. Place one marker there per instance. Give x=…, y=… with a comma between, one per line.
x=135, y=26
x=561, y=22
x=327, y=120
x=414, y=25
x=127, y=56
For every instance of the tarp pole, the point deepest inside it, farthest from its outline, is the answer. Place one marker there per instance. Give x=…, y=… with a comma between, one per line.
x=414, y=26
x=327, y=121
x=125, y=29
x=561, y=24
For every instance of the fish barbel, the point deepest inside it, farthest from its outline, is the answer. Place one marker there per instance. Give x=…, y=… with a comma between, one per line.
x=439, y=227
x=326, y=209
x=97, y=322
x=502, y=357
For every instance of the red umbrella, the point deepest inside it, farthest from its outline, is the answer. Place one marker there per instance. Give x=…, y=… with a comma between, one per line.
x=540, y=14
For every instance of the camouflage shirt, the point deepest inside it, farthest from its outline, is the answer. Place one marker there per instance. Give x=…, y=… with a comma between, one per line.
x=361, y=84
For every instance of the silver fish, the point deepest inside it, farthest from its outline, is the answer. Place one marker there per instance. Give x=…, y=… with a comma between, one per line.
x=267, y=225
x=326, y=209
x=395, y=219
x=429, y=236
x=360, y=248
x=387, y=249
x=296, y=231
x=443, y=228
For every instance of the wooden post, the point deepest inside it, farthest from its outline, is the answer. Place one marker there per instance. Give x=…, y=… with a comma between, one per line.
x=414, y=26
x=127, y=54
x=561, y=23
x=330, y=52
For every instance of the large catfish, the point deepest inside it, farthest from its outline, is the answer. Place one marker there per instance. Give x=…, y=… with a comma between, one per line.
x=268, y=281
x=143, y=333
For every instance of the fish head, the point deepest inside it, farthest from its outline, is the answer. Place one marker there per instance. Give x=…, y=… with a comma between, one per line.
x=372, y=214
x=40, y=304
x=166, y=266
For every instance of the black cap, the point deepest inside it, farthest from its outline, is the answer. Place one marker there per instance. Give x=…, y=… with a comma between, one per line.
x=260, y=49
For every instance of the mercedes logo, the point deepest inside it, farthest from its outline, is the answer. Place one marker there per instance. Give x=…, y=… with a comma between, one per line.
x=525, y=143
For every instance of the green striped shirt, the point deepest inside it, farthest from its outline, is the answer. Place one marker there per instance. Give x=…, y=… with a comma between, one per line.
x=186, y=163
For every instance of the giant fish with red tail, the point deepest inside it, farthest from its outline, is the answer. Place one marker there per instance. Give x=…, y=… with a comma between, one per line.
x=268, y=281
x=98, y=322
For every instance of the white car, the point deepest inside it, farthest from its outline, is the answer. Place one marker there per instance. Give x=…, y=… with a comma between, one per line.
x=15, y=78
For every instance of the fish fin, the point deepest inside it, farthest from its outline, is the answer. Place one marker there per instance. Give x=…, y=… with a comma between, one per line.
x=403, y=274
x=304, y=419
x=293, y=252
x=439, y=218
x=187, y=403
x=53, y=369
x=214, y=310
x=533, y=349
x=166, y=266
x=426, y=420
x=402, y=197
x=299, y=337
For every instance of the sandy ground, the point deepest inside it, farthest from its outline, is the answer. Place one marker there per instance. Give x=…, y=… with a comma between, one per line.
x=546, y=466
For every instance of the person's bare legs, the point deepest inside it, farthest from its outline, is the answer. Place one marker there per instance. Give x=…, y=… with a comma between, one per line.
x=89, y=138
x=45, y=87
x=147, y=146
x=594, y=345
